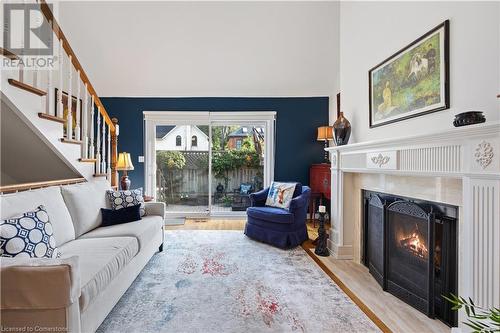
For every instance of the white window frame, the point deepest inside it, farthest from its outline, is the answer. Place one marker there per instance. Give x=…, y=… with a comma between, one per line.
x=266, y=119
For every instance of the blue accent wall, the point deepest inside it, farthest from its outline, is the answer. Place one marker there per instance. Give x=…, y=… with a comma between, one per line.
x=297, y=119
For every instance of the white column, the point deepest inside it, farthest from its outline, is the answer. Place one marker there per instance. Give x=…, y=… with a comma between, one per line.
x=60, y=106
x=77, y=126
x=336, y=245
x=69, y=118
x=108, y=161
x=98, y=143
x=85, y=123
x=103, y=149
x=91, y=130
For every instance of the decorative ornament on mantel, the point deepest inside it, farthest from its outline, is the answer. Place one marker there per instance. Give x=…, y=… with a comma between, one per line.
x=380, y=160
x=341, y=127
x=484, y=154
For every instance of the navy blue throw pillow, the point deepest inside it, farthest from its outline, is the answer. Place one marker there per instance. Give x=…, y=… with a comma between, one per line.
x=119, y=216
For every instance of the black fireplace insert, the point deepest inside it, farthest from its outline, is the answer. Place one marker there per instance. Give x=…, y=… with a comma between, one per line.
x=410, y=248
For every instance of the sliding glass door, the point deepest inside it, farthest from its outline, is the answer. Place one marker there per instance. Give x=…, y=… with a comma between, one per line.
x=237, y=157
x=201, y=163
x=182, y=175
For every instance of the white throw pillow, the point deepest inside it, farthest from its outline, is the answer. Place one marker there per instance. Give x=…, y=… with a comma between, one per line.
x=29, y=235
x=126, y=198
x=280, y=195
x=17, y=203
x=84, y=203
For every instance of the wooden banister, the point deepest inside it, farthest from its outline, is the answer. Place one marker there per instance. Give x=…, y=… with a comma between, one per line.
x=8, y=54
x=74, y=60
x=35, y=185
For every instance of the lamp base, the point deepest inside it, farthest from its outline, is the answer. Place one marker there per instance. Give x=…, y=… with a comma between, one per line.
x=125, y=183
x=327, y=154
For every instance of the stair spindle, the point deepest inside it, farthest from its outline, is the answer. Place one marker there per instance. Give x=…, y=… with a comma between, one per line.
x=98, y=143
x=85, y=122
x=60, y=105
x=69, y=118
x=77, y=125
x=50, y=93
x=91, y=131
x=108, y=161
x=103, y=149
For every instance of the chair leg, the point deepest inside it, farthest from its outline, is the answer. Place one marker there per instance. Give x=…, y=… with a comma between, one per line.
x=160, y=249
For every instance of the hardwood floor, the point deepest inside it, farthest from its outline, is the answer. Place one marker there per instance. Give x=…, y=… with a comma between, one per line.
x=229, y=224
x=386, y=311
x=355, y=280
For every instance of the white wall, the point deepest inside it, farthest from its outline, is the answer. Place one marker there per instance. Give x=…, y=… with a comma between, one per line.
x=372, y=31
x=175, y=49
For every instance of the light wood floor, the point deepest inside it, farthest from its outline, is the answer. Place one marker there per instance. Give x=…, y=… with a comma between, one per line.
x=230, y=224
x=388, y=312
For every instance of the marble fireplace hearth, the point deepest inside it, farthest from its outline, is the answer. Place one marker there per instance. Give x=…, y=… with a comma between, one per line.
x=459, y=167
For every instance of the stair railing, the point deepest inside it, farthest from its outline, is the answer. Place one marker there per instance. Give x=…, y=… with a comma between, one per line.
x=72, y=90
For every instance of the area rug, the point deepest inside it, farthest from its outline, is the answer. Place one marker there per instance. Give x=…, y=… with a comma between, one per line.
x=221, y=281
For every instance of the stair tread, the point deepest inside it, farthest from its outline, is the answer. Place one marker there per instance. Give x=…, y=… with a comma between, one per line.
x=51, y=117
x=72, y=141
x=87, y=160
x=26, y=87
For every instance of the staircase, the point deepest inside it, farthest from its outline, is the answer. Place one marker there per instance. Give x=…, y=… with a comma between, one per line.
x=86, y=140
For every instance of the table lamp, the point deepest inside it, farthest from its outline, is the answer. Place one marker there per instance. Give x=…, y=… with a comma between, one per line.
x=124, y=164
x=325, y=133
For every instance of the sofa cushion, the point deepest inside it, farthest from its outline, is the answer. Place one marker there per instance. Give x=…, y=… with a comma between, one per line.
x=100, y=261
x=126, y=198
x=270, y=214
x=144, y=230
x=29, y=235
x=84, y=202
x=18, y=203
x=120, y=216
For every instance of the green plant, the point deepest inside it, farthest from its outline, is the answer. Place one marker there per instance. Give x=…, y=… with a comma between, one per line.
x=478, y=318
x=169, y=162
x=227, y=201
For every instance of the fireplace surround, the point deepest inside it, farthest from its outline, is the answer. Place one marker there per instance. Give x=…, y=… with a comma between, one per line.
x=410, y=249
x=458, y=166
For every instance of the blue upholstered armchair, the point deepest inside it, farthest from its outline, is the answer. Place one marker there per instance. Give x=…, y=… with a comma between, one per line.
x=279, y=227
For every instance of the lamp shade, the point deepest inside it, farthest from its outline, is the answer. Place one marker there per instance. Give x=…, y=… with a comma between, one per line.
x=124, y=162
x=325, y=133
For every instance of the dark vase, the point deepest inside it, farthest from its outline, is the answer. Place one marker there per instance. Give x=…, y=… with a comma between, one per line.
x=342, y=130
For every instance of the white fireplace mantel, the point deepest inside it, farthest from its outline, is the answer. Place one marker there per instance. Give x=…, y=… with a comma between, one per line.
x=471, y=154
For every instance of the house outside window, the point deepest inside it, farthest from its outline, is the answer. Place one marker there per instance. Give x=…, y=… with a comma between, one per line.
x=194, y=141
x=178, y=141
x=238, y=144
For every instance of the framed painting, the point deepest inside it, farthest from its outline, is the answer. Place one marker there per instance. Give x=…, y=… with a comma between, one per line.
x=65, y=109
x=412, y=82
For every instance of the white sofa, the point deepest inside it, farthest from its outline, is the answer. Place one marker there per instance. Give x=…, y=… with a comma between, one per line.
x=98, y=264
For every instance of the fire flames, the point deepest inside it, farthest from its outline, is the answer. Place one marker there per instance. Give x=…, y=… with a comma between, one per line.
x=415, y=244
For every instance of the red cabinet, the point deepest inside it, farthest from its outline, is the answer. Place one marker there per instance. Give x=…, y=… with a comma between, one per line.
x=319, y=179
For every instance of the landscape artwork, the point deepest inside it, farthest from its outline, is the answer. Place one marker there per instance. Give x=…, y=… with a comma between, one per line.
x=412, y=82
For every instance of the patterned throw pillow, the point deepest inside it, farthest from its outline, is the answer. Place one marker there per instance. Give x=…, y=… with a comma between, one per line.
x=127, y=198
x=29, y=235
x=280, y=195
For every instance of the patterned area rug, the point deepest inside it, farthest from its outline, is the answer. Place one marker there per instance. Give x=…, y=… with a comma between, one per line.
x=221, y=281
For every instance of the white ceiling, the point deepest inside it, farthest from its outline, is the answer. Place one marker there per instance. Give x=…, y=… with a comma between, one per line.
x=205, y=48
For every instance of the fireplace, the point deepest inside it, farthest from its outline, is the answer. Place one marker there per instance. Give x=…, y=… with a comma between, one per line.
x=410, y=250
